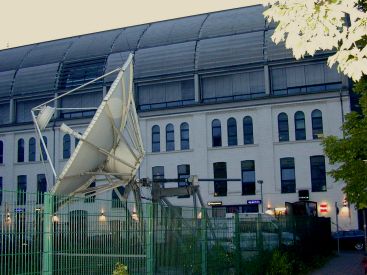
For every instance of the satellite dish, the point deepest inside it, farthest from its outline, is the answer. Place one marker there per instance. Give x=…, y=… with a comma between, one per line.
x=111, y=145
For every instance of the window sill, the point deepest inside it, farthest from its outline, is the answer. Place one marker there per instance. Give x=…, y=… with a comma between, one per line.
x=297, y=141
x=233, y=147
x=29, y=162
x=170, y=152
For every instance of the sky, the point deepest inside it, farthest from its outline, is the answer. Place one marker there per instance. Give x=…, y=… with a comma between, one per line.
x=25, y=22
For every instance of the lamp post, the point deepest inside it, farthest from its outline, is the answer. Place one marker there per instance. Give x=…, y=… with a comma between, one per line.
x=261, y=193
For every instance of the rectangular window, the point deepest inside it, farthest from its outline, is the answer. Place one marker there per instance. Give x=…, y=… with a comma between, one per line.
x=41, y=188
x=116, y=201
x=90, y=198
x=288, y=176
x=248, y=177
x=1, y=190
x=220, y=172
x=183, y=172
x=158, y=173
x=318, y=173
x=21, y=190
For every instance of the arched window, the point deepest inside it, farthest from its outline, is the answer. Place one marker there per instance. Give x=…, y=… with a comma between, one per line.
x=43, y=151
x=248, y=134
x=184, y=135
x=232, y=131
x=283, y=129
x=156, y=140
x=66, y=146
x=299, y=123
x=170, y=138
x=216, y=133
x=20, y=150
x=32, y=149
x=317, y=128
x=1, y=151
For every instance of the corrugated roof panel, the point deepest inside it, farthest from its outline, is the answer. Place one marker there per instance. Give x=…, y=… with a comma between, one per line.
x=6, y=79
x=233, y=22
x=170, y=59
x=10, y=59
x=172, y=31
x=46, y=53
x=276, y=52
x=230, y=51
x=36, y=79
x=91, y=45
x=115, y=61
x=128, y=39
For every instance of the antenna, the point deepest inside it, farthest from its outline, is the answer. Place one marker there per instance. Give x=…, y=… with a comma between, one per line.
x=111, y=146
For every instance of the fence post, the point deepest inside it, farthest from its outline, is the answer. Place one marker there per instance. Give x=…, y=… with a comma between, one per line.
x=237, y=241
x=260, y=240
x=204, y=241
x=149, y=239
x=47, y=257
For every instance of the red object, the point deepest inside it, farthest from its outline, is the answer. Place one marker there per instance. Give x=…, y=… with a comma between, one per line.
x=323, y=208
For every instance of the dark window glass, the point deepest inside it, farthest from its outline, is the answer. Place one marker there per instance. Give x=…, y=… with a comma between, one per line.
x=248, y=177
x=158, y=173
x=41, y=188
x=66, y=146
x=183, y=172
x=156, y=139
x=299, y=123
x=89, y=194
x=318, y=173
x=116, y=202
x=43, y=151
x=288, y=176
x=21, y=190
x=1, y=152
x=283, y=129
x=32, y=149
x=1, y=190
x=317, y=128
x=220, y=172
x=232, y=131
x=185, y=138
x=20, y=150
x=216, y=133
x=248, y=136
x=170, y=138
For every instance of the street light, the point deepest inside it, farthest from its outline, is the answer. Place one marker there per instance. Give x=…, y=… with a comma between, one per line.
x=261, y=192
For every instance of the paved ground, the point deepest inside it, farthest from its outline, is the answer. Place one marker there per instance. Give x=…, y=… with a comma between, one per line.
x=347, y=263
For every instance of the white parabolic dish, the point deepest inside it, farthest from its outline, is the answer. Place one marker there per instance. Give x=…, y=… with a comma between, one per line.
x=111, y=145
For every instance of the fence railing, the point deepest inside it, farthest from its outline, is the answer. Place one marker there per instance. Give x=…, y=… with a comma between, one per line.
x=89, y=236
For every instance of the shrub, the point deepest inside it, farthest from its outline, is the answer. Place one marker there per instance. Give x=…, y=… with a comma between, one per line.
x=120, y=269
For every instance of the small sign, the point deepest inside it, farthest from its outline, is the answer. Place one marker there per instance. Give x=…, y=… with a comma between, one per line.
x=324, y=207
x=215, y=203
x=18, y=210
x=303, y=195
x=254, y=202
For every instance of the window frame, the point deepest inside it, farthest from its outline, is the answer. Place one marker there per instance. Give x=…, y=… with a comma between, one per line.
x=232, y=132
x=283, y=135
x=300, y=132
x=216, y=133
x=220, y=186
x=21, y=194
x=185, y=130
x=66, y=146
x=32, y=149
x=1, y=152
x=288, y=186
x=248, y=130
x=170, y=137
x=183, y=172
x=20, y=150
x=317, y=124
x=248, y=187
x=315, y=181
x=41, y=179
x=156, y=133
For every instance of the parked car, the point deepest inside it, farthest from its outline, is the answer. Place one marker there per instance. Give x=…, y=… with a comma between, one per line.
x=351, y=239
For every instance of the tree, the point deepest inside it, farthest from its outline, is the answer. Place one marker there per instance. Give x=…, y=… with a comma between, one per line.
x=307, y=26
x=351, y=151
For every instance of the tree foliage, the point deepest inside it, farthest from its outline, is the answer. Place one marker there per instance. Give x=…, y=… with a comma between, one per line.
x=307, y=26
x=350, y=152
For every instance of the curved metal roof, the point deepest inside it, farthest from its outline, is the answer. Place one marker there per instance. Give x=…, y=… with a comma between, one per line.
x=180, y=46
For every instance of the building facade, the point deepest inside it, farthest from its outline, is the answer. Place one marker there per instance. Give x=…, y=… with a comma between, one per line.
x=215, y=97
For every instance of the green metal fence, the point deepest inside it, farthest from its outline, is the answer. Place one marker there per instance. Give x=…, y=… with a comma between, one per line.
x=44, y=234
